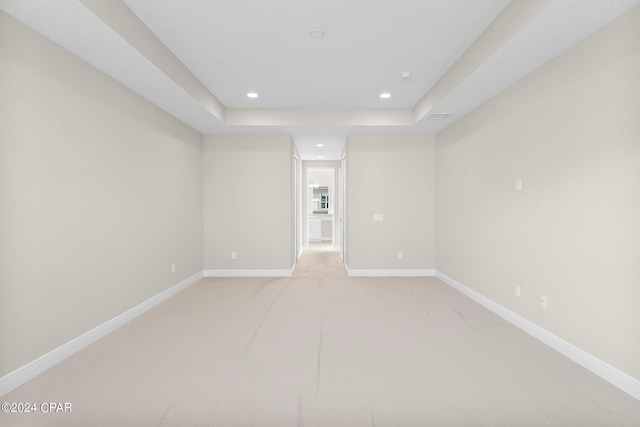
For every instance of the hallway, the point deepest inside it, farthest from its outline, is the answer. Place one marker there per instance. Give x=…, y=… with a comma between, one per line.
x=320, y=259
x=163, y=167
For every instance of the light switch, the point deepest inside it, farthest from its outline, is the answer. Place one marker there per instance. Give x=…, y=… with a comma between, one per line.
x=519, y=184
x=378, y=217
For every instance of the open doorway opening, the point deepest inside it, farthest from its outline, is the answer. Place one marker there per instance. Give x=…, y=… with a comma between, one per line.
x=321, y=213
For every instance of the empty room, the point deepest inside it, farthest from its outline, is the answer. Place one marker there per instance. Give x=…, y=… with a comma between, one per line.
x=320, y=213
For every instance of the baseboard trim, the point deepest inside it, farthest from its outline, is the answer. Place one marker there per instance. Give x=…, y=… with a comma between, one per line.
x=249, y=273
x=390, y=273
x=623, y=381
x=16, y=378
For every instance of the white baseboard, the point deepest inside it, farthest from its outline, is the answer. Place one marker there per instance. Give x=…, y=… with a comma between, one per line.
x=624, y=382
x=249, y=273
x=390, y=273
x=23, y=374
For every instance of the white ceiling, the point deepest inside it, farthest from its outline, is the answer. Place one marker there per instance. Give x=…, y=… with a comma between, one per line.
x=241, y=45
x=233, y=47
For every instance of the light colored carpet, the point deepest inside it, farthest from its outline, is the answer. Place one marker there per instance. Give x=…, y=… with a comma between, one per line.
x=322, y=349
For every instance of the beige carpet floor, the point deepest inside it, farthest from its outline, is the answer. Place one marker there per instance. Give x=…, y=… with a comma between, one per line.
x=321, y=349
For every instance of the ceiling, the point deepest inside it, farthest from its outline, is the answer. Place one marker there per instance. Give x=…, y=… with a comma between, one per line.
x=198, y=59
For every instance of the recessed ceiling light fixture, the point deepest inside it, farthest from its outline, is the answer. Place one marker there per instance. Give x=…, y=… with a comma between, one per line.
x=439, y=116
x=317, y=33
x=405, y=75
x=385, y=95
x=320, y=145
x=320, y=157
x=252, y=95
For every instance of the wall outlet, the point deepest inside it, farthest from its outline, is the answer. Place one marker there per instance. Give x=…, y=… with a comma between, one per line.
x=543, y=303
x=234, y=255
x=519, y=184
x=400, y=255
x=378, y=217
x=516, y=290
x=173, y=267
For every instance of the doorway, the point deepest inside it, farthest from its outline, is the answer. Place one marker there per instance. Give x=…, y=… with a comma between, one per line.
x=321, y=208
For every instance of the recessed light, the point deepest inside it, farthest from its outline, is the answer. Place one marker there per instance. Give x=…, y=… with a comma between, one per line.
x=320, y=157
x=405, y=75
x=317, y=33
x=439, y=116
x=252, y=95
x=385, y=95
x=319, y=145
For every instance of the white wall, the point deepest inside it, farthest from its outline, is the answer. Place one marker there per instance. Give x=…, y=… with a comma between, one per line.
x=571, y=131
x=100, y=192
x=248, y=202
x=393, y=175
